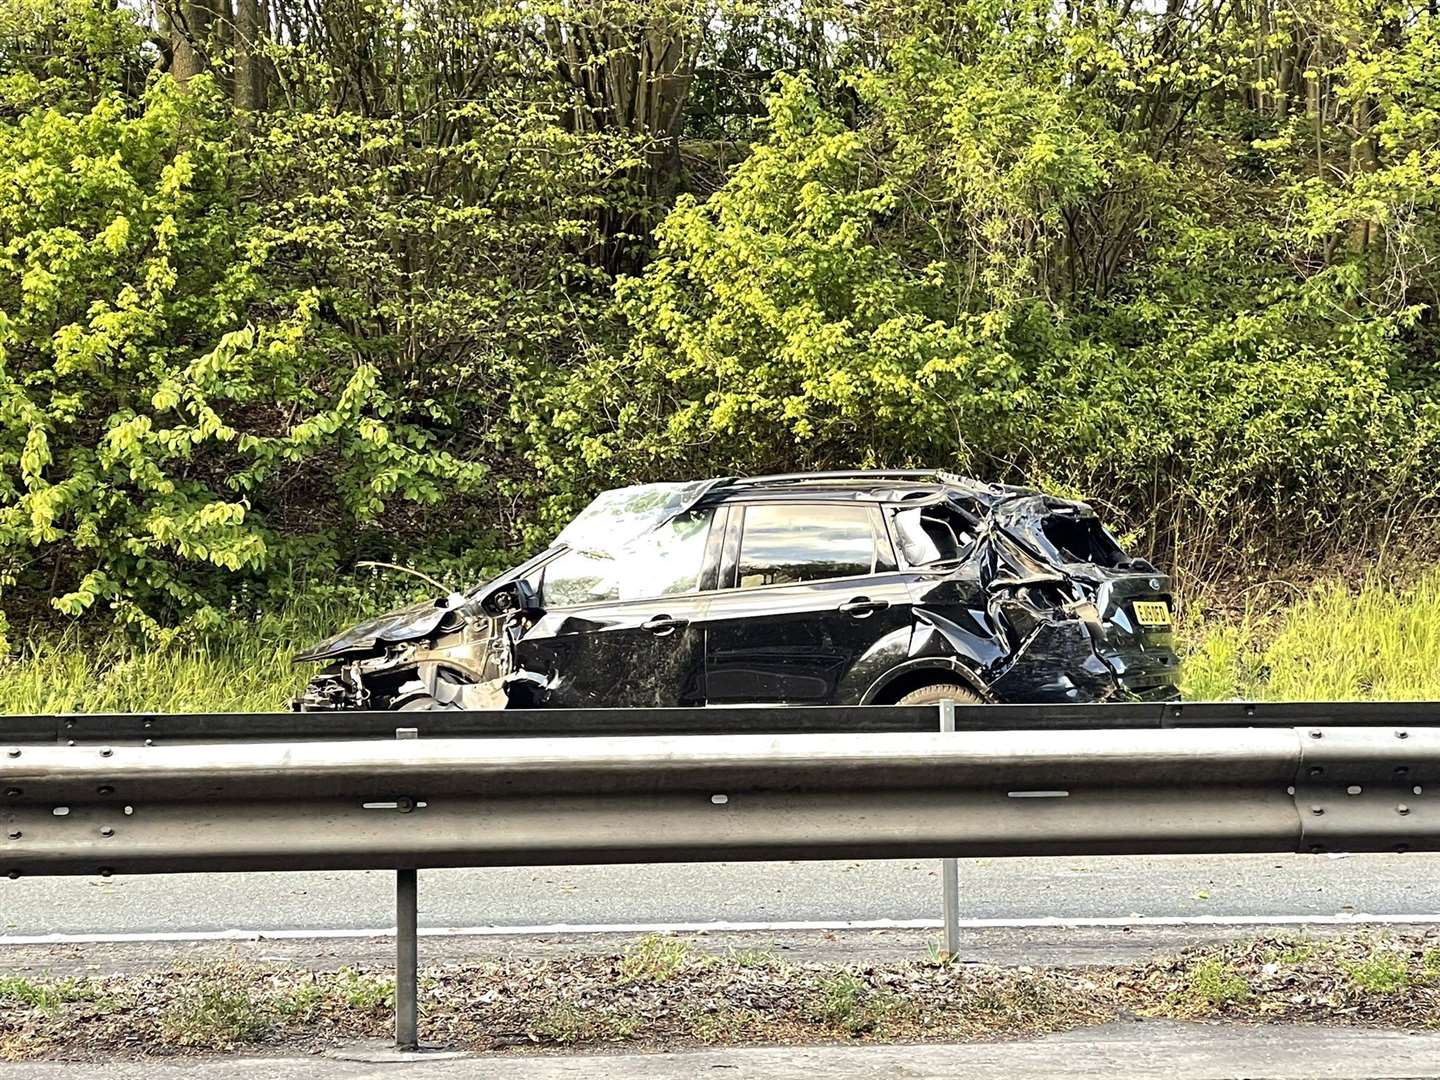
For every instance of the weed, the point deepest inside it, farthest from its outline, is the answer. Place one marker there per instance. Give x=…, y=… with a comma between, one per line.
x=1384, y=971
x=299, y=1002
x=1289, y=954
x=46, y=996
x=936, y=956
x=364, y=992
x=568, y=1023
x=1430, y=964
x=655, y=958
x=755, y=958
x=215, y=1015
x=1217, y=984
x=724, y=1024
x=847, y=1002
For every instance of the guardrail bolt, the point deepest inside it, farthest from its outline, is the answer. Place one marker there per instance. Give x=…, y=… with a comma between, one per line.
x=1316, y=734
x=1317, y=770
x=105, y=871
x=105, y=789
x=106, y=752
x=13, y=793
x=1402, y=809
x=1402, y=770
x=1317, y=810
x=14, y=751
x=13, y=875
x=14, y=834
x=1402, y=734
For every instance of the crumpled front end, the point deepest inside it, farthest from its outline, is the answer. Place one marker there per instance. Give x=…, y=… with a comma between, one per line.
x=466, y=668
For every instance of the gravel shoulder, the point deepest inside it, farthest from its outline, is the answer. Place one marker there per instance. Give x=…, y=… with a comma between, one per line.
x=668, y=993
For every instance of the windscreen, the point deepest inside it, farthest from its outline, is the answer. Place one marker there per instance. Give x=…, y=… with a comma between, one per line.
x=617, y=517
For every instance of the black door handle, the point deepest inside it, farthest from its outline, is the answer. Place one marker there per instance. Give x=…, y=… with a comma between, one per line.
x=660, y=625
x=863, y=606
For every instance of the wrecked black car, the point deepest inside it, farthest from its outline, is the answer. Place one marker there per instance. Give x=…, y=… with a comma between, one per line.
x=848, y=588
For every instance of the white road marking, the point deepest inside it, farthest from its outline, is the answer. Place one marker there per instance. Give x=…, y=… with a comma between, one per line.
x=1339, y=919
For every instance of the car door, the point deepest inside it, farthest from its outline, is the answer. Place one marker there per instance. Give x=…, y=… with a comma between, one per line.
x=807, y=591
x=625, y=629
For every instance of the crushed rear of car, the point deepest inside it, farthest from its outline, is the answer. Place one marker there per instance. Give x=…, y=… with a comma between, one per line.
x=823, y=588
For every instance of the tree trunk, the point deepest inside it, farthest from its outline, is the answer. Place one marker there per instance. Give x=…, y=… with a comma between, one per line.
x=632, y=68
x=188, y=23
x=248, y=31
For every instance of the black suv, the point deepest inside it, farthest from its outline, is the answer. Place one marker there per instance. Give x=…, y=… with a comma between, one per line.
x=872, y=587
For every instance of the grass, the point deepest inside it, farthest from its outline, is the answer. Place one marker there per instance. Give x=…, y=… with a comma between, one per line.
x=655, y=958
x=1334, y=642
x=243, y=667
x=45, y=995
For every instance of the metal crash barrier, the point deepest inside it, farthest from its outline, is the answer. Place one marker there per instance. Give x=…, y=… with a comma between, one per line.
x=450, y=791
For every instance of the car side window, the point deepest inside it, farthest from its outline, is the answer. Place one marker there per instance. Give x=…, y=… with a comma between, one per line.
x=931, y=535
x=662, y=562
x=783, y=545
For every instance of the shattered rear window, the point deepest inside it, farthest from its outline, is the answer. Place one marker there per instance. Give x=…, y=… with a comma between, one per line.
x=1082, y=540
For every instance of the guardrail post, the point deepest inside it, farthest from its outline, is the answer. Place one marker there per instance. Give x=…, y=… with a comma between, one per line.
x=407, y=949
x=950, y=868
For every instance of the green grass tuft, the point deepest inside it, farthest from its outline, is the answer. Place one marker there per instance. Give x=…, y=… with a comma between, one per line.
x=1216, y=984
x=655, y=958
x=1384, y=971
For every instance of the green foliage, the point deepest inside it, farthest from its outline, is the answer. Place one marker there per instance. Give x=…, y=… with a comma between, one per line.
x=215, y=1013
x=46, y=995
x=998, y=273
x=844, y=1000
x=1182, y=263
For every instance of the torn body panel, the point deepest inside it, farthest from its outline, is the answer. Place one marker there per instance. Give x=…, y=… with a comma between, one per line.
x=832, y=588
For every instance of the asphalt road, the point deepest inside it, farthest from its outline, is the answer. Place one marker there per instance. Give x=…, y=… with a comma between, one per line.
x=1260, y=886
x=1132, y=1050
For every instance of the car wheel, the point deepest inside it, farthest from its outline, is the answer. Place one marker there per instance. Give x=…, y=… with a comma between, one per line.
x=933, y=695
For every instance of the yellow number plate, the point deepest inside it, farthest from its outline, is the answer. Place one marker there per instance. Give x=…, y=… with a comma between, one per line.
x=1152, y=613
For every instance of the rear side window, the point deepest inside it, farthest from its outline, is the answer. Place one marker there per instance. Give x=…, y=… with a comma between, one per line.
x=783, y=545
x=933, y=534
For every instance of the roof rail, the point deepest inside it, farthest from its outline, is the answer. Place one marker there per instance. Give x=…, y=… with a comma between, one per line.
x=840, y=474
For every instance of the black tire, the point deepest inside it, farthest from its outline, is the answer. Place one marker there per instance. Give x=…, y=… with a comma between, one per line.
x=933, y=695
